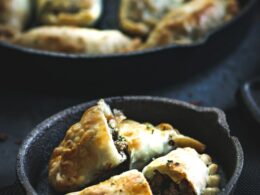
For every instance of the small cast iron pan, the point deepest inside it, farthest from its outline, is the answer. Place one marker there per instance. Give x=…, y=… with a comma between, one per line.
x=182, y=60
x=206, y=124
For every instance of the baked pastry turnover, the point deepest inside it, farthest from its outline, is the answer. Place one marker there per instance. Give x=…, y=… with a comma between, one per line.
x=87, y=151
x=191, y=22
x=183, y=171
x=128, y=183
x=69, y=12
x=146, y=141
x=139, y=17
x=76, y=40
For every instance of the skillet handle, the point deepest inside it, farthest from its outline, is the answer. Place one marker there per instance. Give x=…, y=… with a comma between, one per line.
x=250, y=94
x=14, y=189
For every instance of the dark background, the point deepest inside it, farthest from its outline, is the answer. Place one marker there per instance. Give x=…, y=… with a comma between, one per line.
x=23, y=107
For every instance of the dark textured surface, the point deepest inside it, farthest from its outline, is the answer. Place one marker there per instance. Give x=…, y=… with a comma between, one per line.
x=215, y=86
x=206, y=124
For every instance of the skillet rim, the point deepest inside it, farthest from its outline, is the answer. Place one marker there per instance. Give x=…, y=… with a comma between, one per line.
x=39, y=129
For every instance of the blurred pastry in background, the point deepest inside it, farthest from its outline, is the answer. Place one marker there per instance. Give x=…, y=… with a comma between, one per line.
x=76, y=40
x=139, y=17
x=14, y=15
x=191, y=22
x=69, y=12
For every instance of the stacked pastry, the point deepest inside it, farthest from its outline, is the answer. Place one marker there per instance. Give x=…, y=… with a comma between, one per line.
x=65, y=25
x=104, y=140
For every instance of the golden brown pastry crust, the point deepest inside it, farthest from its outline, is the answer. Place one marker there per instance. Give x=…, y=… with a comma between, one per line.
x=185, y=164
x=128, y=183
x=138, y=17
x=86, y=152
x=66, y=12
x=75, y=40
x=191, y=22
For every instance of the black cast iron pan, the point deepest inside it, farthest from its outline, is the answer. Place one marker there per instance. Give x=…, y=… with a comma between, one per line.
x=183, y=61
x=206, y=124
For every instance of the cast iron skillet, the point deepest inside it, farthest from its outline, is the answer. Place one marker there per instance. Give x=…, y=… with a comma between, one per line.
x=206, y=124
x=180, y=59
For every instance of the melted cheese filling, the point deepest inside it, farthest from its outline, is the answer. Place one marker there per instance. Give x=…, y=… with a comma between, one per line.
x=145, y=143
